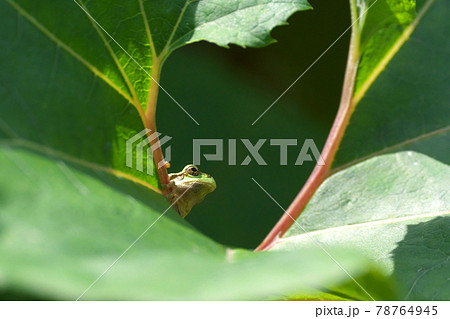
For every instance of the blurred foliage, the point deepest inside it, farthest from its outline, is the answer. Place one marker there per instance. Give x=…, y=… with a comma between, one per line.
x=82, y=219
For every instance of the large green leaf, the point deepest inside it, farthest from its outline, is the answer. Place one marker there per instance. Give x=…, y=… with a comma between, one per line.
x=402, y=92
x=394, y=208
x=86, y=94
x=62, y=225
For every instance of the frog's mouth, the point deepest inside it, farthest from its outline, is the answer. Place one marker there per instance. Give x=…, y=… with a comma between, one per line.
x=211, y=186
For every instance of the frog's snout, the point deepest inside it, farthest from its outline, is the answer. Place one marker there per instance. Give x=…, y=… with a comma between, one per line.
x=212, y=184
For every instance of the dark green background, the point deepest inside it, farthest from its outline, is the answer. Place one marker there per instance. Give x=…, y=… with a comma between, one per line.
x=225, y=90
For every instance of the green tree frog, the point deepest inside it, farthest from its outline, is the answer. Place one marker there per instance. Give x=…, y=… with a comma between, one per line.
x=188, y=188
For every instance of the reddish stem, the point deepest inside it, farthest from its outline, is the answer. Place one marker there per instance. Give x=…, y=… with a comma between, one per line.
x=321, y=172
x=150, y=123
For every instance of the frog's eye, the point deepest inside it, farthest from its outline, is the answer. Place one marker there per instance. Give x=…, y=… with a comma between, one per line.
x=192, y=170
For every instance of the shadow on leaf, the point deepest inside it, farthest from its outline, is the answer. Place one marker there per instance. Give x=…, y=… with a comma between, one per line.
x=421, y=261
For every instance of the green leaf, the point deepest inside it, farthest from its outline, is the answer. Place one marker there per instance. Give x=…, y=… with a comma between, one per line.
x=402, y=93
x=394, y=208
x=78, y=80
x=244, y=22
x=62, y=225
x=381, y=29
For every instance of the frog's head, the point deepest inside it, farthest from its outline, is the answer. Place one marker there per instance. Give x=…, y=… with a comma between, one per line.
x=190, y=186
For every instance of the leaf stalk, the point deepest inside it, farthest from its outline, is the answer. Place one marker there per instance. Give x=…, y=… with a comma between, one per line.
x=321, y=172
x=150, y=123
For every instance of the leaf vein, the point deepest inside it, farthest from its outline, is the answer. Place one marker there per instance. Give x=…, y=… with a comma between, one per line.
x=68, y=49
x=391, y=53
x=367, y=224
x=115, y=58
x=392, y=148
x=19, y=142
